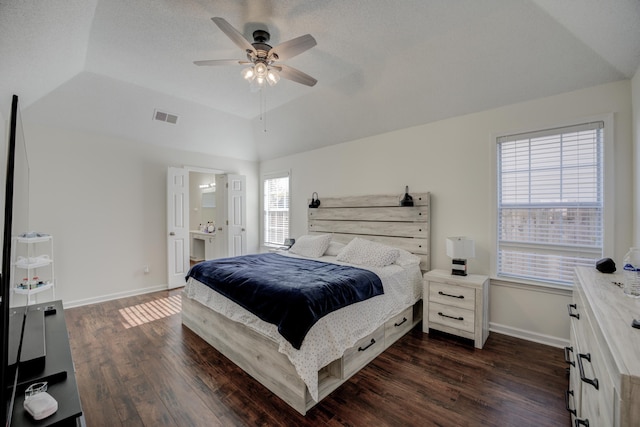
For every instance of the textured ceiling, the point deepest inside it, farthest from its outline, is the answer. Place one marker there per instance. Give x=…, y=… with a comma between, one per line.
x=105, y=65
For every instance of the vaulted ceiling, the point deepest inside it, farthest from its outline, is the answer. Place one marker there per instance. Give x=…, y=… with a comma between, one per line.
x=105, y=65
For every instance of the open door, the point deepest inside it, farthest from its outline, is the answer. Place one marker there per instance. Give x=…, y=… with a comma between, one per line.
x=237, y=214
x=231, y=200
x=177, y=226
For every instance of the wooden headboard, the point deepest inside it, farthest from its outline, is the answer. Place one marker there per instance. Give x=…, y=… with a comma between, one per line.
x=379, y=218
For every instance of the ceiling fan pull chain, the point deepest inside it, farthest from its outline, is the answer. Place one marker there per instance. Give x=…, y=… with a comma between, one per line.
x=263, y=109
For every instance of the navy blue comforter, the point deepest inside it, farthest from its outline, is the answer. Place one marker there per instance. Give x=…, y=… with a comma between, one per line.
x=292, y=293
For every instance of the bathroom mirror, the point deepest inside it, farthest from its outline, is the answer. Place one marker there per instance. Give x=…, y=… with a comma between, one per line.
x=208, y=207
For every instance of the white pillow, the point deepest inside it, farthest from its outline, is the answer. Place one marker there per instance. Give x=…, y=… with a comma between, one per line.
x=334, y=248
x=311, y=246
x=365, y=252
x=406, y=259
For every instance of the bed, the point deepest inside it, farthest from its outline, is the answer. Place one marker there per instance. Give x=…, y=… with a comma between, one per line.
x=343, y=341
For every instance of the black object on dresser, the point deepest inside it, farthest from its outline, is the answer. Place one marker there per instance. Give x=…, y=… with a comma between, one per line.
x=56, y=368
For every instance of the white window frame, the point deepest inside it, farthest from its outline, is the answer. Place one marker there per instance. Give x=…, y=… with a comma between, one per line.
x=263, y=180
x=608, y=189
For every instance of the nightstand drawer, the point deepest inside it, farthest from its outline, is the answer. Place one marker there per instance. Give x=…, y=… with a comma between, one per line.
x=454, y=317
x=454, y=295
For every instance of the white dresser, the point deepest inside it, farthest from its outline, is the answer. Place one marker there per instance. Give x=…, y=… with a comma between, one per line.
x=604, y=352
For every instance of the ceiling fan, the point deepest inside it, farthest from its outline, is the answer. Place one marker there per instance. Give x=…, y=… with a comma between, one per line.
x=262, y=59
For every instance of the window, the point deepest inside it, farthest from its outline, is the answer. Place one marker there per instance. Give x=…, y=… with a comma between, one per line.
x=276, y=208
x=550, y=202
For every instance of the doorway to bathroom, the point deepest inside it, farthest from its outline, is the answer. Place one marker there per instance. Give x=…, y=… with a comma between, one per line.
x=206, y=218
x=203, y=237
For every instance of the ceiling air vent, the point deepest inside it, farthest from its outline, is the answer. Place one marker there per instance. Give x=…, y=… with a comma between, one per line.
x=165, y=117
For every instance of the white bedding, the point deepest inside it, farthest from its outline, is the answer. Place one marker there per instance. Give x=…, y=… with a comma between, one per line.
x=333, y=334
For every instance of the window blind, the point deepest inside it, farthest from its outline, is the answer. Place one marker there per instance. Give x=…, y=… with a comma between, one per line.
x=276, y=209
x=550, y=202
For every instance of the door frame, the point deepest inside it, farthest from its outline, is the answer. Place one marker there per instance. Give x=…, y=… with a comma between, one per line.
x=198, y=169
x=187, y=249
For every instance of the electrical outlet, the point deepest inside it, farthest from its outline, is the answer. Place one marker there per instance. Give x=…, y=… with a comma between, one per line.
x=145, y=269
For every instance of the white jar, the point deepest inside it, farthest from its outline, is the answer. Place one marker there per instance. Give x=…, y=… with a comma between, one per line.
x=631, y=273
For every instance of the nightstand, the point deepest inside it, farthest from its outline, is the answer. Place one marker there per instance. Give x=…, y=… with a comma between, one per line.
x=458, y=305
x=282, y=249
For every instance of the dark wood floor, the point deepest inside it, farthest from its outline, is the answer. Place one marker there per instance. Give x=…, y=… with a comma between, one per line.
x=159, y=373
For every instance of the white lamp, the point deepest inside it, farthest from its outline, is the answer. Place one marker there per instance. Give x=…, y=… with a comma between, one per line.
x=460, y=249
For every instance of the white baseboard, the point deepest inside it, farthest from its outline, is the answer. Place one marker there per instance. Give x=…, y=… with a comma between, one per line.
x=528, y=335
x=110, y=297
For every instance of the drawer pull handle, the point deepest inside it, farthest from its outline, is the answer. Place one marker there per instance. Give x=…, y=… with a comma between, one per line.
x=404, y=319
x=568, y=350
x=572, y=314
x=450, y=317
x=566, y=402
x=449, y=295
x=593, y=382
x=367, y=346
x=580, y=422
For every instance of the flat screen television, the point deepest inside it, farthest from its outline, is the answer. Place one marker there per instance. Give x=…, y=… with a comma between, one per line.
x=14, y=221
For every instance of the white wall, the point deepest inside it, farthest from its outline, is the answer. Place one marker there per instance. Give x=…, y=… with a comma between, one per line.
x=635, y=96
x=453, y=159
x=104, y=201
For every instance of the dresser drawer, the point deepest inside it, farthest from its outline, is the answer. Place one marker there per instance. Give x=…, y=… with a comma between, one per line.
x=597, y=403
x=397, y=326
x=454, y=295
x=454, y=317
x=591, y=370
x=575, y=385
x=363, y=352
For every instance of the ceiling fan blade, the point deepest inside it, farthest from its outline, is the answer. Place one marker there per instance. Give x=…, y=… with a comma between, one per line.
x=295, y=75
x=293, y=47
x=235, y=35
x=221, y=62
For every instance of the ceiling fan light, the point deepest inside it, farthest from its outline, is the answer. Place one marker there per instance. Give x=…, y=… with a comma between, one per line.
x=273, y=77
x=248, y=74
x=260, y=70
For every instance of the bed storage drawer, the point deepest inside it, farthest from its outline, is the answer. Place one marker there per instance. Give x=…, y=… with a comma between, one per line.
x=364, y=351
x=397, y=326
